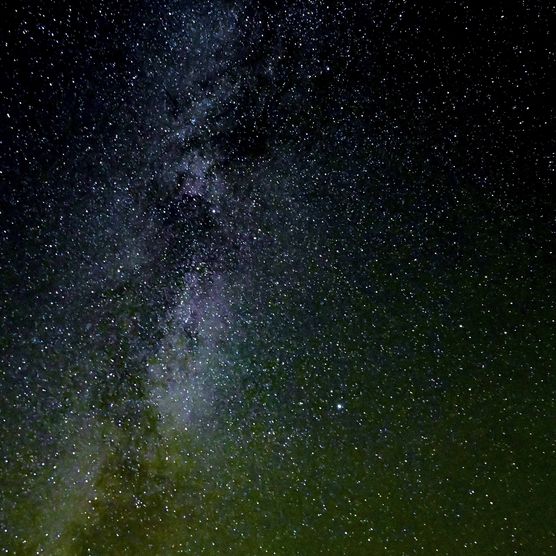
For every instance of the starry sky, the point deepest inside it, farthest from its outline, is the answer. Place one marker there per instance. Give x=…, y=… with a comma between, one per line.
x=277, y=277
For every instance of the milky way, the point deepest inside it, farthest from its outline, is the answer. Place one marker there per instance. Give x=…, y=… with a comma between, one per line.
x=276, y=278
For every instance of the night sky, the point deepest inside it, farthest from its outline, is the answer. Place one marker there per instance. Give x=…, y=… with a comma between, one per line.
x=277, y=278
